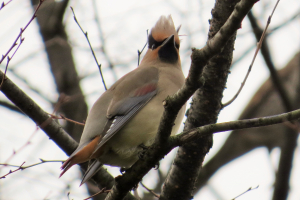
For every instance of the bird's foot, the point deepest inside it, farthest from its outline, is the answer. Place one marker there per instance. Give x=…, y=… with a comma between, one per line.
x=156, y=166
x=143, y=151
x=122, y=170
x=143, y=146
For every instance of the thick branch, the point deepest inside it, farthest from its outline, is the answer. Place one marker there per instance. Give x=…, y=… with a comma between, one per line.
x=199, y=132
x=205, y=106
x=66, y=143
x=50, y=127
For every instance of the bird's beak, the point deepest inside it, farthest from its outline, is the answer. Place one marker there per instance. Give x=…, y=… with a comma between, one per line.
x=169, y=40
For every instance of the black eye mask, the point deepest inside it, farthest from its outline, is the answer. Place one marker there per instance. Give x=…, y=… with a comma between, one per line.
x=153, y=44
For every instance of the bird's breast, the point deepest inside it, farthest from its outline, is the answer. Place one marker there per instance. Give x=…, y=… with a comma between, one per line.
x=124, y=147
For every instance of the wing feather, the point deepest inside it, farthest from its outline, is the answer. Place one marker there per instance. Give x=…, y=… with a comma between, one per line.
x=119, y=121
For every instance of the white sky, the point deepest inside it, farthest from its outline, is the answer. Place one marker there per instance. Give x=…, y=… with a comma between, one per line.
x=124, y=25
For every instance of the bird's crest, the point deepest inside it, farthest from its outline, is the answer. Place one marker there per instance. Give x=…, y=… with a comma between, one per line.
x=164, y=28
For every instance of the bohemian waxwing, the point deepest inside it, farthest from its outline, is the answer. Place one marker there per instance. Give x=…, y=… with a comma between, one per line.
x=126, y=117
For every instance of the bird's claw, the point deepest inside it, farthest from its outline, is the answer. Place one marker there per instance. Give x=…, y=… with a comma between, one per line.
x=156, y=166
x=122, y=170
x=143, y=151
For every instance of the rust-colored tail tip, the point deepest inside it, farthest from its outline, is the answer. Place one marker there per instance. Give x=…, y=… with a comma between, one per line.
x=65, y=167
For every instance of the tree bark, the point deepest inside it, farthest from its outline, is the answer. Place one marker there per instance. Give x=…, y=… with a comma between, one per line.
x=204, y=110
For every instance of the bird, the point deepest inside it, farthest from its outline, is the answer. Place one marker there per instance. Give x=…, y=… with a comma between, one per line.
x=125, y=118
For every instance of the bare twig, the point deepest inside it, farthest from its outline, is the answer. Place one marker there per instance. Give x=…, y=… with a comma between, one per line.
x=63, y=117
x=102, y=40
x=281, y=186
x=87, y=38
x=10, y=172
x=53, y=130
x=15, y=42
x=249, y=189
x=9, y=58
x=21, y=167
x=149, y=190
x=4, y=4
x=63, y=98
x=28, y=142
x=29, y=166
x=270, y=32
x=140, y=52
x=254, y=57
x=277, y=82
x=103, y=190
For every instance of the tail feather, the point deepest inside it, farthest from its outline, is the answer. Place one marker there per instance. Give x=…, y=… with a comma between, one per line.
x=66, y=166
x=80, y=155
x=91, y=171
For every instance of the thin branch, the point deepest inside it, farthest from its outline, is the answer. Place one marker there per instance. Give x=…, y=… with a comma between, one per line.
x=103, y=190
x=102, y=40
x=9, y=59
x=15, y=152
x=235, y=125
x=54, y=131
x=281, y=186
x=4, y=4
x=63, y=117
x=258, y=29
x=254, y=57
x=267, y=57
x=250, y=189
x=242, y=56
x=29, y=166
x=149, y=190
x=86, y=36
x=10, y=172
x=185, y=137
x=15, y=42
x=140, y=52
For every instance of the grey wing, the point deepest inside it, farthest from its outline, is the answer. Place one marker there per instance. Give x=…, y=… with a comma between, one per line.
x=119, y=121
x=93, y=168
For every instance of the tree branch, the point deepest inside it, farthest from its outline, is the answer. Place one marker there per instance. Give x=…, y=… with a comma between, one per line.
x=203, y=131
x=173, y=104
x=55, y=132
x=11, y=107
x=287, y=151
